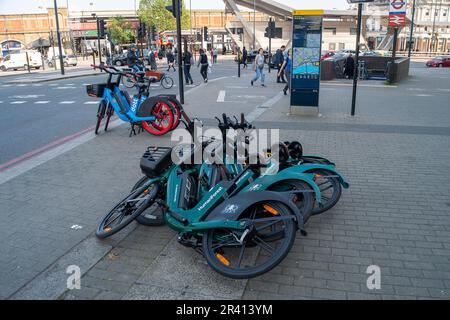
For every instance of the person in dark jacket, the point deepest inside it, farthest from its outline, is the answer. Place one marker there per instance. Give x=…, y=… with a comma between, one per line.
x=152, y=60
x=187, y=61
x=279, y=59
x=349, y=67
x=133, y=59
x=244, y=57
x=203, y=61
x=170, y=60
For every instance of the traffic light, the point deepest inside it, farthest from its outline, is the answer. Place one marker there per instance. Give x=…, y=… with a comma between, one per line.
x=270, y=30
x=101, y=26
x=199, y=37
x=142, y=30
x=153, y=33
x=205, y=33
x=175, y=7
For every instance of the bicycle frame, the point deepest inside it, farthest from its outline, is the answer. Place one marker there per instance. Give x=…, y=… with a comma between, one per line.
x=113, y=96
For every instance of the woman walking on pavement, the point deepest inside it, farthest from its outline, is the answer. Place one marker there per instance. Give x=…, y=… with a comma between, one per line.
x=203, y=61
x=188, y=61
x=287, y=68
x=258, y=66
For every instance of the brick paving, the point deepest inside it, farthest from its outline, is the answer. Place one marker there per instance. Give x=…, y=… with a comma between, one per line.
x=395, y=215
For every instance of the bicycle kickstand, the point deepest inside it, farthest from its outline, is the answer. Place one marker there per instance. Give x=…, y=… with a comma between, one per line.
x=133, y=130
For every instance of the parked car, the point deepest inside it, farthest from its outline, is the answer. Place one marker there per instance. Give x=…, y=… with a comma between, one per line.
x=17, y=61
x=68, y=60
x=327, y=55
x=120, y=60
x=439, y=62
x=370, y=54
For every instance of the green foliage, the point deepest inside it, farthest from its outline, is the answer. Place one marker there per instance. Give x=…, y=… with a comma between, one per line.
x=154, y=13
x=121, y=31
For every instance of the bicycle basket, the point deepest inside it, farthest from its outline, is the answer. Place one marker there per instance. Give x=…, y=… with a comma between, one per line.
x=96, y=90
x=155, y=160
x=156, y=74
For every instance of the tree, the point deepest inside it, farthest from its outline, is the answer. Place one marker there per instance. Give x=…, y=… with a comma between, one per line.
x=121, y=31
x=154, y=13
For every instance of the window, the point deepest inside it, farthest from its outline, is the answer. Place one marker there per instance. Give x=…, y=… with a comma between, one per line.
x=332, y=30
x=332, y=46
x=341, y=46
x=353, y=31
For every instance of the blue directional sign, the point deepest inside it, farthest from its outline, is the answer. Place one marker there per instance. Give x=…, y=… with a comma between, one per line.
x=306, y=54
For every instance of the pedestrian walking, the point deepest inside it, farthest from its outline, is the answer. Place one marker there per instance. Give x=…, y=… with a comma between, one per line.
x=279, y=59
x=349, y=67
x=244, y=57
x=188, y=61
x=215, y=54
x=258, y=66
x=133, y=59
x=152, y=60
x=170, y=60
x=287, y=69
x=203, y=62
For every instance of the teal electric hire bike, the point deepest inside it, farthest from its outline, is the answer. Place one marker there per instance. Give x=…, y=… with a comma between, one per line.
x=243, y=222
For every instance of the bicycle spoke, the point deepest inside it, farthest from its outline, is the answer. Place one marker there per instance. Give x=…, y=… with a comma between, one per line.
x=241, y=255
x=264, y=245
x=325, y=189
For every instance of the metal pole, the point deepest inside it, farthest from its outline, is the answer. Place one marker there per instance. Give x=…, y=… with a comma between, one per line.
x=355, y=75
x=270, y=41
x=433, y=34
x=180, y=55
x=58, y=34
x=411, y=31
x=394, y=46
x=190, y=23
x=98, y=41
x=254, y=24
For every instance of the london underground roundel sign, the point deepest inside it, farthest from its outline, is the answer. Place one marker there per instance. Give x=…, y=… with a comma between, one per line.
x=397, y=6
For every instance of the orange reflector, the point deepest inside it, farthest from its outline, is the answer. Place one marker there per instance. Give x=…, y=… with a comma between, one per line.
x=146, y=191
x=107, y=229
x=270, y=209
x=222, y=259
x=317, y=175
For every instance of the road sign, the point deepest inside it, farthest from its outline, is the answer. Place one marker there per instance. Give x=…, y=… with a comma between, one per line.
x=397, y=13
x=397, y=19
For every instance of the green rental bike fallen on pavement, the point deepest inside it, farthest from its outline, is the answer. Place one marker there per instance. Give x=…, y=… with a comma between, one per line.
x=242, y=229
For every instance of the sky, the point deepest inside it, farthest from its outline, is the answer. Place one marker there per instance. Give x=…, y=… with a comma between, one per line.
x=32, y=6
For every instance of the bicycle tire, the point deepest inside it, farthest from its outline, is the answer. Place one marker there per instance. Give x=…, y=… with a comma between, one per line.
x=167, y=82
x=331, y=201
x=100, y=115
x=149, y=217
x=103, y=229
x=218, y=261
x=129, y=82
x=109, y=113
x=162, y=111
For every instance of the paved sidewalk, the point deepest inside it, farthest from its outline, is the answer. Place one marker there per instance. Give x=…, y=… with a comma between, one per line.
x=395, y=215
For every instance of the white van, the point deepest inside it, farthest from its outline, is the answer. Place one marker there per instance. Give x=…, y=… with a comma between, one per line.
x=18, y=60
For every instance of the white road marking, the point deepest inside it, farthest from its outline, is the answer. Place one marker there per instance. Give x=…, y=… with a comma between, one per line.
x=67, y=102
x=53, y=84
x=37, y=85
x=91, y=102
x=29, y=96
x=423, y=95
x=22, y=85
x=63, y=88
x=6, y=85
x=42, y=102
x=221, y=97
x=1, y=101
x=18, y=102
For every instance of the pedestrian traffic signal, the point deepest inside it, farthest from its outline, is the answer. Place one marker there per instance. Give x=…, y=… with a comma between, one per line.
x=270, y=30
x=101, y=27
x=142, y=30
x=199, y=37
x=205, y=33
x=153, y=33
x=175, y=8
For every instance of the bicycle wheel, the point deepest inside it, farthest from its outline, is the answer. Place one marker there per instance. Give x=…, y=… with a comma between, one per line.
x=100, y=115
x=154, y=215
x=129, y=82
x=163, y=119
x=126, y=211
x=330, y=190
x=167, y=82
x=242, y=254
x=176, y=114
x=109, y=114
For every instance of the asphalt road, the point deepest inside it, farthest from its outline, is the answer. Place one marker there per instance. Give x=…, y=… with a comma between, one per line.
x=35, y=115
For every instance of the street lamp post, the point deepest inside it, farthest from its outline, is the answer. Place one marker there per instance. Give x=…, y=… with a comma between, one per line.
x=412, y=28
x=254, y=24
x=58, y=34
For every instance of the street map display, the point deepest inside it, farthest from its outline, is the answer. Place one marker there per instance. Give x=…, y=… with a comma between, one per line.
x=306, y=61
